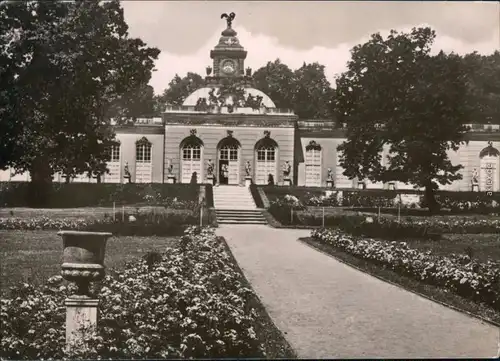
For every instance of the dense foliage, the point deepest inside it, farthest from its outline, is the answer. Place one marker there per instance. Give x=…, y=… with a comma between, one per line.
x=124, y=224
x=67, y=69
x=456, y=202
x=396, y=97
x=188, y=302
x=289, y=211
x=457, y=273
x=16, y=194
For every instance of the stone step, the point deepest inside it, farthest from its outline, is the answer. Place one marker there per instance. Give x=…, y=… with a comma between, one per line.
x=240, y=222
x=227, y=211
x=236, y=214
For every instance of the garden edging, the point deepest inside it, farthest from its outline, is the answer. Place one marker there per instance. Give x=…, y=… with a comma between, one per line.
x=483, y=319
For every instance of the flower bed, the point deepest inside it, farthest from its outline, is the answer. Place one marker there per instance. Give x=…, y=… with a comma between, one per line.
x=72, y=195
x=294, y=214
x=468, y=202
x=456, y=273
x=189, y=302
x=150, y=224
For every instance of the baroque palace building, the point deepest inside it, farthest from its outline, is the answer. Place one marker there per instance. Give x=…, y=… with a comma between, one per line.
x=246, y=136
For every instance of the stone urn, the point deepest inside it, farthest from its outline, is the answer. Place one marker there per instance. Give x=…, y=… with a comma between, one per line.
x=83, y=259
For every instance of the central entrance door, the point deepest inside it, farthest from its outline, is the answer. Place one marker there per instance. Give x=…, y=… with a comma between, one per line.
x=229, y=162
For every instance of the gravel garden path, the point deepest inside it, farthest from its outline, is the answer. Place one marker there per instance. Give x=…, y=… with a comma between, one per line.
x=327, y=309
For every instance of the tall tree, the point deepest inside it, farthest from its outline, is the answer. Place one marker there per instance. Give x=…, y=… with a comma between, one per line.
x=134, y=104
x=179, y=89
x=305, y=90
x=312, y=94
x=484, y=85
x=276, y=80
x=64, y=66
x=394, y=92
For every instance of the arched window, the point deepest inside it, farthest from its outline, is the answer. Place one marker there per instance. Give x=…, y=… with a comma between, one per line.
x=191, y=159
x=490, y=169
x=313, y=164
x=113, y=164
x=266, y=158
x=229, y=160
x=143, y=161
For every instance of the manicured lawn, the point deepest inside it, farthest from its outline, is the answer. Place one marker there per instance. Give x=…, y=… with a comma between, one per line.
x=481, y=246
x=34, y=256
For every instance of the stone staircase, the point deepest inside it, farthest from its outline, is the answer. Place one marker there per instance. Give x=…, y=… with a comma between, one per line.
x=235, y=205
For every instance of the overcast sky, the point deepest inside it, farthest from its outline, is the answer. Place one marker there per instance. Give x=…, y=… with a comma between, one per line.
x=295, y=32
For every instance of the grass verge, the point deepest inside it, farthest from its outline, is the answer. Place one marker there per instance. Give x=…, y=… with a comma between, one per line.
x=432, y=292
x=275, y=344
x=34, y=256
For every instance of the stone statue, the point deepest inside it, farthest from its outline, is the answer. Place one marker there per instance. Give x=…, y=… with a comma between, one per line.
x=170, y=169
x=248, y=168
x=210, y=168
x=475, y=176
x=329, y=174
x=229, y=18
x=286, y=169
x=127, y=172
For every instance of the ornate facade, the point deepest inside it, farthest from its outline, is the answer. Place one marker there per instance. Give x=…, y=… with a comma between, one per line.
x=228, y=132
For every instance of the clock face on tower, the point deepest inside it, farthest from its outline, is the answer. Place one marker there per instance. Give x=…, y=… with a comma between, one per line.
x=228, y=67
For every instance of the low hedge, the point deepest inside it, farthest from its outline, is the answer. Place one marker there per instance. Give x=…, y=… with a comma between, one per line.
x=478, y=202
x=73, y=195
x=148, y=224
x=386, y=228
x=456, y=273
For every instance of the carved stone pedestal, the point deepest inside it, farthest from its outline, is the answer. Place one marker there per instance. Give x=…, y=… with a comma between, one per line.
x=287, y=182
x=171, y=179
x=329, y=183
x=248, y=181
x=81, y=317
x=475, y=187
x=210, y=179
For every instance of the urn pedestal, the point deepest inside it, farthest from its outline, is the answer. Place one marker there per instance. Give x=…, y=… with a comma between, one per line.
x=171, y=179
x=83, y=263
x=287, y=182
x=248, y=181
x=329, y=183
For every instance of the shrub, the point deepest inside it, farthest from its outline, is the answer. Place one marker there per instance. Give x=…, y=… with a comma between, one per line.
x=189, y=303
x=479, y=202
x=385, y=228
x=72, y=195
x=145, y=224
x=457, y=273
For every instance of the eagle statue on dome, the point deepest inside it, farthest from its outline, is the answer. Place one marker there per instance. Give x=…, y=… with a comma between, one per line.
x=229, y=18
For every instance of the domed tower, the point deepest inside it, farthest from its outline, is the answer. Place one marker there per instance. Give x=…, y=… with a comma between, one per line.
x=228, y=55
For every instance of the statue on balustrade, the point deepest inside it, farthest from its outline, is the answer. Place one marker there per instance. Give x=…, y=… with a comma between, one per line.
x=287, y=169
x=329, y=174
x=127, y=176
x=210, y=168
x=248, y=168
x=475, y=176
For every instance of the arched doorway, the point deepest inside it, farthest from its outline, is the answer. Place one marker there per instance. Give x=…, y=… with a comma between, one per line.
x=266, y=157
x=228, y=161
x=191, y=159
x=313, y=164
x=489, y=174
